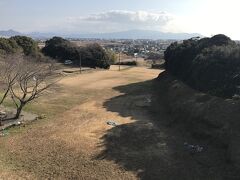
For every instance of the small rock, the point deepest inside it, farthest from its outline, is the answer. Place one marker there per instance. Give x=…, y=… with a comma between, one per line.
x=111, y=123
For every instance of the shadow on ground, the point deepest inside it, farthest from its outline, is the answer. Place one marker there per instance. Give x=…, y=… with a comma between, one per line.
x=149, y=148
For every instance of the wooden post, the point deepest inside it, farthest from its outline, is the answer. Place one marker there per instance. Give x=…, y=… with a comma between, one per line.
x=119, y=60
x=80, y=63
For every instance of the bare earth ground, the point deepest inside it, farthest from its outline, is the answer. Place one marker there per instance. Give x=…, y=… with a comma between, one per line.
x=75, y=142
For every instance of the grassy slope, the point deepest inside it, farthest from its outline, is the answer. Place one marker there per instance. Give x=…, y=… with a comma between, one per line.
x=50, y=147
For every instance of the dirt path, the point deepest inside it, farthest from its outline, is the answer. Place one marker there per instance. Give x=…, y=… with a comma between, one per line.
x=66, y=146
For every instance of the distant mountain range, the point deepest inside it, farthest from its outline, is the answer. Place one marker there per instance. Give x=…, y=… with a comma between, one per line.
x=138, y=34
x=9, y=33
x=132, y=34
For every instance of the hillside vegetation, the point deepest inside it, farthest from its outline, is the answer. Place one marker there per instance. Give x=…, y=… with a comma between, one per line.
x=93, y=55
x=211, y=65
x=19, y=44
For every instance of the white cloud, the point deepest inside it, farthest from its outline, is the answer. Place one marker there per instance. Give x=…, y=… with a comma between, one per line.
x=130, y=17
x=119, y=20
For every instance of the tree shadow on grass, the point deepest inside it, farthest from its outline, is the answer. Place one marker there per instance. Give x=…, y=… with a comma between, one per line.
x=148, y=148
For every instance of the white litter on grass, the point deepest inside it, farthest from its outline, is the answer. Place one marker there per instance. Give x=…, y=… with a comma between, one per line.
x=193, y=148
x=111, y=123
x=149, y=100
x=236, y=97
x=3, y=133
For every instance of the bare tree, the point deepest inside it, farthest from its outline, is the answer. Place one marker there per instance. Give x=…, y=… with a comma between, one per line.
x=32, y=80
x=9, y=66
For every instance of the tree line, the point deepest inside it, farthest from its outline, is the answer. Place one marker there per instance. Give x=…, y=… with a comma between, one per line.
x=92, y=55
x=210, y=65
x=19, y=44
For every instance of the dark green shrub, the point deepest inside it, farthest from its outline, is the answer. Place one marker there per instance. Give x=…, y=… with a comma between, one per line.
x=210, y=64
x=29, y=46
x=92, y=55
x=8, y=46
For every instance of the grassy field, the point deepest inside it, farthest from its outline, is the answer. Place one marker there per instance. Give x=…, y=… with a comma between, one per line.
x=74, y=141
x=65, y=143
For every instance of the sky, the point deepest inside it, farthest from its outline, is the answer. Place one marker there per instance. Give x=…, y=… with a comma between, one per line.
x=207, y=17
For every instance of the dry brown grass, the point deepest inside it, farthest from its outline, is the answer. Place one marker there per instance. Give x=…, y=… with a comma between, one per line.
x=74, y=141
x=64, y=145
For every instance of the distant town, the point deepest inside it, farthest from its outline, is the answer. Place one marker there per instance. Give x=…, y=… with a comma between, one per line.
x=142, y=48
x=144, y=44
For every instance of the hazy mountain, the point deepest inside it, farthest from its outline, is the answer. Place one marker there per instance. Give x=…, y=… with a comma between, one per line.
x=9, y=33
x=132, y=34
x=40, y=35
x=137, y=34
